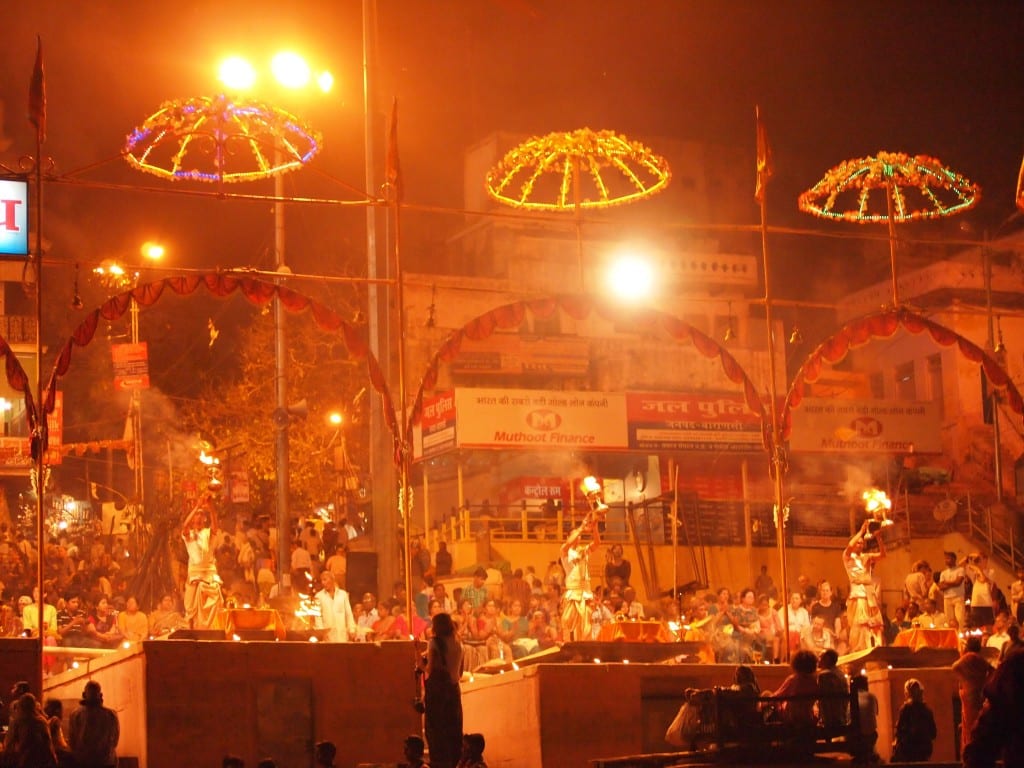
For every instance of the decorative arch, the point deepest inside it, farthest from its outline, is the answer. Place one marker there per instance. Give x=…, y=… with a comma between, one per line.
x=258, y=292
x=18, y=378
x=883, y=325
x=578, y=307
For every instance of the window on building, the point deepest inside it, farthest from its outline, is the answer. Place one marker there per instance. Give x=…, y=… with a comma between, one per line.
x=877, y=383
x=906, y=385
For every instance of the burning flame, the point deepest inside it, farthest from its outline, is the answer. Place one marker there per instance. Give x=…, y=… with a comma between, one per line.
x=876, y=501
x=590, y=485
x=207, y=459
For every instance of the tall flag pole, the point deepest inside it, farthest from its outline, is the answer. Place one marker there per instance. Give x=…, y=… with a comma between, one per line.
x=37, y=413
x=393, y=177
x=765, y=169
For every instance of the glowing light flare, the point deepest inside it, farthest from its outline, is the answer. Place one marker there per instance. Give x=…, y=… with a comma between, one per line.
x=290, y=69
x=325, y=82
x=237, y=73
x=336, y=418
x=876, y=500
x=631, y=278
x=152, y=250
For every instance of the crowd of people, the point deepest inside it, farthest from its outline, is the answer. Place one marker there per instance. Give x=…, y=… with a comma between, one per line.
x=35, y=736
x=471, y=754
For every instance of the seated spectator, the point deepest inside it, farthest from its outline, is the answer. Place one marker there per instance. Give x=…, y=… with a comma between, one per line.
x=685, y=727
x=738, y=707
x=102, y=625
x=513, y=627
x=72, y=622
x=798, y=618
x=770, y=629
x=324, y=753
x=166, y=618
x=472, y=751
x=999, y=636
x=833, y=706
x=631, y=607
x=413, y=750
x=541, y=632
x=132, y=622
x=817, y=637
x=931, y=617
x=801, y=683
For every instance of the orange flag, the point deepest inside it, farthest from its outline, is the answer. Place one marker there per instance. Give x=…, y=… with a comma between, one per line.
x=765, y=165
x=394, y=168
x=37, y=95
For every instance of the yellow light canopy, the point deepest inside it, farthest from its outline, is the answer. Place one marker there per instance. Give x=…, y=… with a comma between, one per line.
x=220, y=139
x=579, y=169
x=907, y=188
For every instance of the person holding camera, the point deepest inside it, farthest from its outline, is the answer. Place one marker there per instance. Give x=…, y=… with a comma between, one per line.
x=983, y=579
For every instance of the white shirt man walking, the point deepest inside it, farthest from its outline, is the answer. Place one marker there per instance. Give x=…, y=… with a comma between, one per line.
x=335, y=610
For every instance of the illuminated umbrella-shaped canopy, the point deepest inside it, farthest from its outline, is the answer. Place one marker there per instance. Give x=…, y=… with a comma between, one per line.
x=576, y=170
x=891, y=188
x=220, y=139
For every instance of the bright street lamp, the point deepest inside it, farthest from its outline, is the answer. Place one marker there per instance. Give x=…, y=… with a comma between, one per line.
x=291, y=71
x=631, y=278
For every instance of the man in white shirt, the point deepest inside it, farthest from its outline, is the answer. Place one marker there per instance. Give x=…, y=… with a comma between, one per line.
x=335, y=611
x=951, y=582
x=931, y=617
x=999, y=636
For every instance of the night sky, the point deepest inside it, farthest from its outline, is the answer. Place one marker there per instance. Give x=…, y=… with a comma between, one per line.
x=834, y=81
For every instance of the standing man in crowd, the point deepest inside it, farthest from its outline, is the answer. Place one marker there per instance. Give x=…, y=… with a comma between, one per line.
x=94, y=731
x=335, y=611
x=951, y=582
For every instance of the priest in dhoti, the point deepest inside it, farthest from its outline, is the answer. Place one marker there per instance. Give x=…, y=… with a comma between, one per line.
x=204, y=600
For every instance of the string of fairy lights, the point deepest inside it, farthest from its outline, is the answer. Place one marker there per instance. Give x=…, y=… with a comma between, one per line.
x=220, y=139
x=572, y=158
x=938, y=190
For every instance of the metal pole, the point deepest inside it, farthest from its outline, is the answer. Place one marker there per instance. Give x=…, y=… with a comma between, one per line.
x=281, y=416
x=777, y=459
x=41, y=427
x=892, y=246
x=993, y=395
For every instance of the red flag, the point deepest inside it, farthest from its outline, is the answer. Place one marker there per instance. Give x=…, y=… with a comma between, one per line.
x=765, y=164
x=394, y=169
x=37, y=95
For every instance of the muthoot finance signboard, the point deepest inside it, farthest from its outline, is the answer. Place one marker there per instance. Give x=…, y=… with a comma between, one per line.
x=13, y=217
x=506, y=418
x=866, y=426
